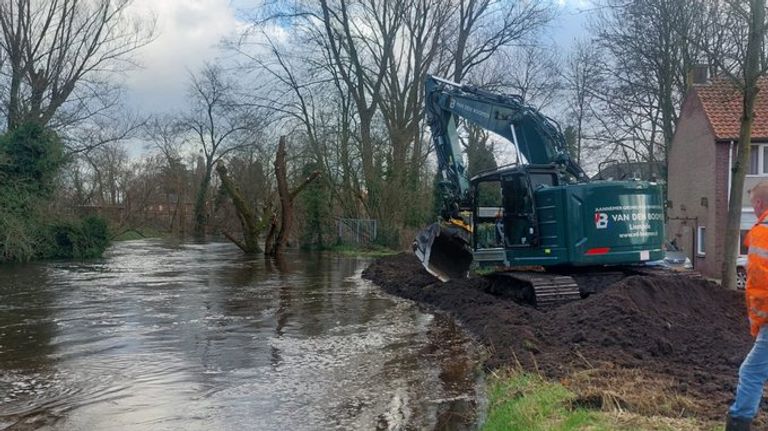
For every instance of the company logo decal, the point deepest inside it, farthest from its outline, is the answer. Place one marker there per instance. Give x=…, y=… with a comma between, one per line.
x=601, y=220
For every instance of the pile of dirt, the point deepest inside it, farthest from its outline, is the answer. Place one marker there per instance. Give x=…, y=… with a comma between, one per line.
x=688, y=331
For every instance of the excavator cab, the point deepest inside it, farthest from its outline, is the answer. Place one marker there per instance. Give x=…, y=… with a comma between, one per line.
x=519, y=211
x=503, y=216
x=488, y=215
x=504, y=202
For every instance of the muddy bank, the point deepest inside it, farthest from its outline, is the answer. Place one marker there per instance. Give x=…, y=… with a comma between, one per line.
x=684, y=331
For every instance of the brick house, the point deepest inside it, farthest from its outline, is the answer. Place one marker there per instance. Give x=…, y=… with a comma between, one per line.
x=699, y=163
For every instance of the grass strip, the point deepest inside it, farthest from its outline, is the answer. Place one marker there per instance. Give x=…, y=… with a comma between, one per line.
x=521, y=401
x=366, y=251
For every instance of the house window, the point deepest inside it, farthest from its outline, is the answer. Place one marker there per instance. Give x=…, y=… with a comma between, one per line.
x=701, y=246
x=742, y=247
x=758, y=160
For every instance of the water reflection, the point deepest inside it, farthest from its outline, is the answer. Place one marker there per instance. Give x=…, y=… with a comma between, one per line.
x=25, y=326
x=196, y=336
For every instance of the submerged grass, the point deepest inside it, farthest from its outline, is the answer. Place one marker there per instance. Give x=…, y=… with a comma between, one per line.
x=367, y=251
x=520, y=401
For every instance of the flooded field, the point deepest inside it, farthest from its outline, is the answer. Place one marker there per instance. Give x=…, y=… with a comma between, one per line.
x=158, y=336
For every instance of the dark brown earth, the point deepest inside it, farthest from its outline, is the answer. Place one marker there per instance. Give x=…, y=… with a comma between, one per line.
x=687, y=330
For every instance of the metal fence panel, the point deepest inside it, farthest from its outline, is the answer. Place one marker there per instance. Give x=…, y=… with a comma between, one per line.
x=357, y=231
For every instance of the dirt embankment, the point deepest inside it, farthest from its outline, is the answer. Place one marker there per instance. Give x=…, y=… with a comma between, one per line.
x=685, y=336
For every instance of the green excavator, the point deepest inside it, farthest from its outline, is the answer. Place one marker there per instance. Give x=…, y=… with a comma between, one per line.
x=540, y=224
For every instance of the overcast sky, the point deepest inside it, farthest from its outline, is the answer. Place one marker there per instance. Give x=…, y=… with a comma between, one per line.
x=189, y=31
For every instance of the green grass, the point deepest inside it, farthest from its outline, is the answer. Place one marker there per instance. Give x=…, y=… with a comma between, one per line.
x=368, y=251
x=527, y=402
x=521, y=401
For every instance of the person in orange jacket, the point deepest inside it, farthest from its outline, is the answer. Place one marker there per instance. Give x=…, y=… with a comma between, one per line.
x=753, y=372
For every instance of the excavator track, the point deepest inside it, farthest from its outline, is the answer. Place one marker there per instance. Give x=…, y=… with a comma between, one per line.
x=542, y=289
x=546, y=290
x=660, y=271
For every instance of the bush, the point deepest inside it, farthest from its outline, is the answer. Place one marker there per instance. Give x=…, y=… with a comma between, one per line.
x=31, y=155
x=20, y=229
x=19, y=237
x=83, y=239
x=30, y=159
x=388, y=236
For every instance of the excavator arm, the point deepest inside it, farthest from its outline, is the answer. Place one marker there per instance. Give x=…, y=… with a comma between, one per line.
x=536, y=137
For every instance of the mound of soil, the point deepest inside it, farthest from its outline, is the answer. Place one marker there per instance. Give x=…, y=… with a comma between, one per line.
x=687, y=329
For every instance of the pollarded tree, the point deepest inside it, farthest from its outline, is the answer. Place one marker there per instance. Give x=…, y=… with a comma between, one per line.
x=58, y=57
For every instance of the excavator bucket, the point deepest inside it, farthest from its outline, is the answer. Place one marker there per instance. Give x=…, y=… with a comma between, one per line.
x=444, y=251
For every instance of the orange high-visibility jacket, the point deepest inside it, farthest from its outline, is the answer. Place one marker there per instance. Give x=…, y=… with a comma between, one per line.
x=757, y=274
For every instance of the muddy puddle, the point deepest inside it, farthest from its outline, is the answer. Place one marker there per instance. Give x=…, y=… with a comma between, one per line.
x=160, y=336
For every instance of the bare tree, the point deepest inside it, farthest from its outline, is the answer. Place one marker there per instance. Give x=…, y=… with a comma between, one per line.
x=110, y=166
x=751, y=66
x=220, y=124
x=582, y=77
x=249, y=222
x=651, y=46
x=360, y=49
x=59, y=57
x=373, y=55
x=532, y=71
x=482, y=27
x=166, y=136
x=119, y=126
x=402, y=105
x=277, y=236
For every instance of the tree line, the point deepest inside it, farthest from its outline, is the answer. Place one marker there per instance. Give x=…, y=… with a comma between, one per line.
x=342, y=82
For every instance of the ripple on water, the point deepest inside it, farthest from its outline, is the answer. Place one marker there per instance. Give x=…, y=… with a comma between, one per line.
x=194, y=336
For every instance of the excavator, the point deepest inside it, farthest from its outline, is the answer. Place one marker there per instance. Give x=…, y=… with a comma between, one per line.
x=539, y=226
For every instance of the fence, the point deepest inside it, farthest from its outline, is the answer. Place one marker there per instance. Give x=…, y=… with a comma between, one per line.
x=357, y=231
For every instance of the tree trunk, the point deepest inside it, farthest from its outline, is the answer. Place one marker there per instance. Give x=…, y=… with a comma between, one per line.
x=248, y=221
x=200, y=218
x=286, y=201
x=269, y=243
x=751, y=75
x=286, y=204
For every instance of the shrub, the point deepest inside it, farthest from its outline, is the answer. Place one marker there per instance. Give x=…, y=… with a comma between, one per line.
x=30, y=159
x=20, y=229
x=82, y=239
x=31, y=155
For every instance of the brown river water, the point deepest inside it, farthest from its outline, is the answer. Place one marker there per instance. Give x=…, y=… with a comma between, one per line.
x=160, y=336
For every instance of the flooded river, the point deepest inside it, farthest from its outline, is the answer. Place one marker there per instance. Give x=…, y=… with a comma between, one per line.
x=197, y=337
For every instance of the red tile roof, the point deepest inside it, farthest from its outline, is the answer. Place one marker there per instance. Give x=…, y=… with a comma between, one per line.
x=722, y=103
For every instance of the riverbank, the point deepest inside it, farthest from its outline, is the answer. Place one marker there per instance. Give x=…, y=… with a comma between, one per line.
x=663, y=348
